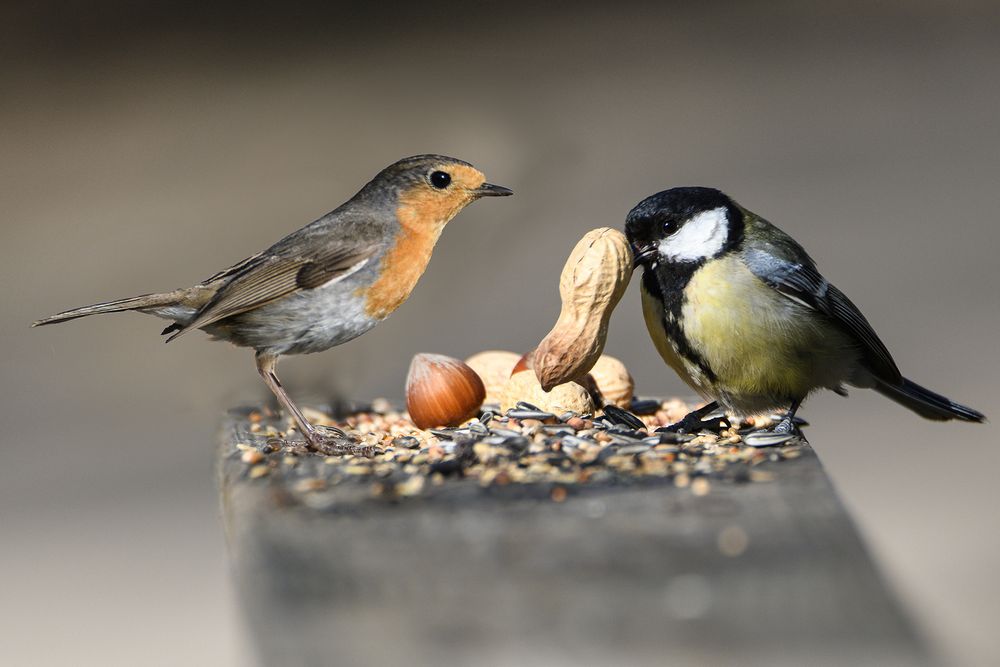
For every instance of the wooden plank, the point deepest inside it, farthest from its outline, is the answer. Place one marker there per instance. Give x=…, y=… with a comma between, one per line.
x=748, y=573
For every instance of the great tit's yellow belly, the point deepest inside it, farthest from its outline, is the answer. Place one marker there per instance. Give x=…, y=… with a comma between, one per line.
x=652, y=311
x=761, y=350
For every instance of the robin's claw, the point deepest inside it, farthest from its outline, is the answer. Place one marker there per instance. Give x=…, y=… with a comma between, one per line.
x=330, y=431
x=331, y=441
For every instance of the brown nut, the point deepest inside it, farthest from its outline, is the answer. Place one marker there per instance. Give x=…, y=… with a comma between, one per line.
x=524, y=386
x=494, y=367
x=592, y=282
x=525, y=363
x=614, y=382
x=442, y=391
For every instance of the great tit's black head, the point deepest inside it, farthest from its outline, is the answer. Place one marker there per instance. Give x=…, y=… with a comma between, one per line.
x=683, y=225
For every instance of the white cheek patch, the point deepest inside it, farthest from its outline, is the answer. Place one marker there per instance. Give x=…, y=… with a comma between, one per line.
x=701, y=237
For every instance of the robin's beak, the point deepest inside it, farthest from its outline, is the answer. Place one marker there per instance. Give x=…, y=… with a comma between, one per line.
x=642, y=254
x=490, y=190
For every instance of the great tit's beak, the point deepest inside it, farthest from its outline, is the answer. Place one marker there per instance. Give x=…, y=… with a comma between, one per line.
x=490, y=190
x=642, y=254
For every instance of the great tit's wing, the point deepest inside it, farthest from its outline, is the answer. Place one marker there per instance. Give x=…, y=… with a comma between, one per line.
x=266, y=277
x=796, y=277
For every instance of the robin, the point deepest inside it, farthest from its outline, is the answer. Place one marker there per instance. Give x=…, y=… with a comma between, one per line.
x=326, y=283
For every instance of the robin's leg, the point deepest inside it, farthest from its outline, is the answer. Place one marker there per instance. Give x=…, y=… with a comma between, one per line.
x=326, y=440
x=692, y=421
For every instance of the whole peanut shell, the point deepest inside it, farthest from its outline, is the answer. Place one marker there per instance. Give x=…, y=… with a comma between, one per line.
x=592, y=282
x=524, y=386
x=494, y=367
x=613, y=381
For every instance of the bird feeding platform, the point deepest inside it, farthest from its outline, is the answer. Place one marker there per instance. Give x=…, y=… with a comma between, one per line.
x=539, y=540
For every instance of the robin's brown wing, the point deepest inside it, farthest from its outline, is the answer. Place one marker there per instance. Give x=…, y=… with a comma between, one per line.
x=267, y=278
x=239, y=267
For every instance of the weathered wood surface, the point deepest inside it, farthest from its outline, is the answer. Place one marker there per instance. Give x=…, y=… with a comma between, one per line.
x=624, y=575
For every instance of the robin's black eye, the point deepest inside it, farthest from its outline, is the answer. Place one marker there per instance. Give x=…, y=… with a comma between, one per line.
x=440, y=180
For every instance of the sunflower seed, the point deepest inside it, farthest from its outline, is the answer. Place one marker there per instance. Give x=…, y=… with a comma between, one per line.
x=644, y=406
x=406, y=442
x=619, y=416
x=766, y=439
x=575, y=441
x=634, y=449
x=525, y=413
x=618, y=429
x=517, y=443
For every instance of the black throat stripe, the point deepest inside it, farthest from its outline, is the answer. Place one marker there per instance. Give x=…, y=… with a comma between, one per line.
x=666, y=283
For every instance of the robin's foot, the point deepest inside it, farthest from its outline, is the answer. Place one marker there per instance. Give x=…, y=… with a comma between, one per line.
x=326, y=441
x=331, y=441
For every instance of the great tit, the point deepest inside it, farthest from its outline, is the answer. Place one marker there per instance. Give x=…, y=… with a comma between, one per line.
x=738, y=309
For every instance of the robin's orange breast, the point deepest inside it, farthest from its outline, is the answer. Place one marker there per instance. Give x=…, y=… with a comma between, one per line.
x=422, y=215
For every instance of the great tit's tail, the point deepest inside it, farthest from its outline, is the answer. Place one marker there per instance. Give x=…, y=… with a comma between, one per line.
x=167, y=304
x=926, y=403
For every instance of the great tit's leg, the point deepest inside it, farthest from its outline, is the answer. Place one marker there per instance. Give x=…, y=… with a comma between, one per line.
x=691, y=421
x=787, y=423
x=327, y=440
x=783, y=432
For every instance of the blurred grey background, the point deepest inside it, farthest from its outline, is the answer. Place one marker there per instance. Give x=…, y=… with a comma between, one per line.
x=146, y=145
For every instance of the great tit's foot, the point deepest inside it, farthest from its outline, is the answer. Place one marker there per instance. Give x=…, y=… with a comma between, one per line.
x=785, y=431
x=695, y=421
x=786, y=426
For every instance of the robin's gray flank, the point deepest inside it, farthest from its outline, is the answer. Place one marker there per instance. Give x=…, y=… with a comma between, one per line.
x=326, y=283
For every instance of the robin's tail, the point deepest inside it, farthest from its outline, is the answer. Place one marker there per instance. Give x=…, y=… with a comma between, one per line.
x=167, y=304
x=926, y=403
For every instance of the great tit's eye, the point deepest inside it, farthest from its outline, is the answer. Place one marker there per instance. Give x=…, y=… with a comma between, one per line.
x=669, y=226
x=440, y=180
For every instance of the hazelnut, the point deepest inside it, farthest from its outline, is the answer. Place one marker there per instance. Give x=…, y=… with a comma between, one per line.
x=442, y=391
x=525, y=363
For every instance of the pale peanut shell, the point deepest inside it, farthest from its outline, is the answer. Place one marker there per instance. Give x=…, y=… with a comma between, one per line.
x=494, y=368
x=614, y=382
x=592, y=282
x=524, y=386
